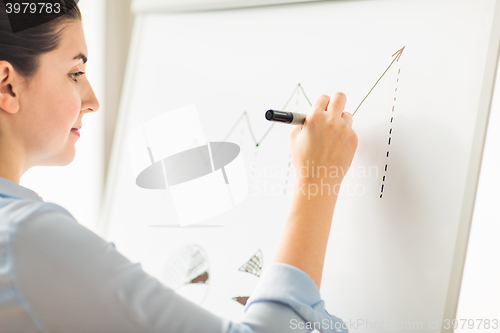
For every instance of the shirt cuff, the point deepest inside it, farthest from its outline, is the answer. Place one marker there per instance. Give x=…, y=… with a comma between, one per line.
x=289, y=285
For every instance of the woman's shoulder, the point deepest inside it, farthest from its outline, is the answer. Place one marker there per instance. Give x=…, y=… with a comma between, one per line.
x=13, y=210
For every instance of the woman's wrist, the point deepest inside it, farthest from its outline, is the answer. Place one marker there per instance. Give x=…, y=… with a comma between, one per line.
x=315, y=198
x=317, y=186
x=304, y=239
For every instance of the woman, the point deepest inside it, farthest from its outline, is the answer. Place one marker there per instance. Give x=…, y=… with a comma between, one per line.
x=57, y=276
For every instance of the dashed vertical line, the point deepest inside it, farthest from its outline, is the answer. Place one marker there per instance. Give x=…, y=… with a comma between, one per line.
x=390, y=135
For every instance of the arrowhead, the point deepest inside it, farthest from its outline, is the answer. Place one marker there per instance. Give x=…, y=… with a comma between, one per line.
x=398, y=53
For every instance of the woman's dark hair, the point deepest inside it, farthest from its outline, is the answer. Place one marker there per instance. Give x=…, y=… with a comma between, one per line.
x=22, y=49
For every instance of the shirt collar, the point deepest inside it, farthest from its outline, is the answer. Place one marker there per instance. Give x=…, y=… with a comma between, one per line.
x=11, y=189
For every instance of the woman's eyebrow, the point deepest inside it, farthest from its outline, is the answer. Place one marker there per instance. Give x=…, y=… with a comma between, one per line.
x=81, y=56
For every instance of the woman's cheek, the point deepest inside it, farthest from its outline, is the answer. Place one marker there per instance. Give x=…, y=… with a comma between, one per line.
x=71, y=112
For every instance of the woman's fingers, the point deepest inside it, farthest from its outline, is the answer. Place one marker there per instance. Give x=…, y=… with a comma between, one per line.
x=333, y=106
x=320, y=105
x=327, y=137
x=337, y=104
x=347, y=117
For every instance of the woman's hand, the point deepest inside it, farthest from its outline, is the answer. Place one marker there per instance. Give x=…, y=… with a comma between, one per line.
x=325, y=143
x=327, y=139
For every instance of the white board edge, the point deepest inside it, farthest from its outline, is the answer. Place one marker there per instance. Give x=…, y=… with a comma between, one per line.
x=174, y=6
x=476, y=156
x=119, y=136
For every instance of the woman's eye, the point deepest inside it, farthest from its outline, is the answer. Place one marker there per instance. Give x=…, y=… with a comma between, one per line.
x=73, y=76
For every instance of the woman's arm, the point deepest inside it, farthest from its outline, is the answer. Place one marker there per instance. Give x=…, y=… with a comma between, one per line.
x=322, y=151
x=67, y=279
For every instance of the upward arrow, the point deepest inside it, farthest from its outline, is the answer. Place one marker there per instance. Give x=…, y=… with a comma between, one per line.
x=396, y=58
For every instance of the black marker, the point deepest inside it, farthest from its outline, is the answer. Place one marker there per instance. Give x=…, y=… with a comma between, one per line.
x=286, y=117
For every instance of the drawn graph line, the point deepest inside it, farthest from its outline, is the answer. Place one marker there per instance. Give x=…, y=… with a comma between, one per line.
x=390, y=134
x=298, y=89
x=396, y=56
x=396, y=59
x=245, y=116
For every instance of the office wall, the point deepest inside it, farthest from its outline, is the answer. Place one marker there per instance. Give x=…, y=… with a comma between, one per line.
x=118, y=30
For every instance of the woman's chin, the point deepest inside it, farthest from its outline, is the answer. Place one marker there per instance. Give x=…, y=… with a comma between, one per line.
x=60, y=160
x=67, y=158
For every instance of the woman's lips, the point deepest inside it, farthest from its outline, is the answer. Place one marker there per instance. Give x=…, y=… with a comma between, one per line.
x=75, y=130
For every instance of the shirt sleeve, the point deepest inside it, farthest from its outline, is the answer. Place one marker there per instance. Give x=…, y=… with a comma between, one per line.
x=74, y=281
x=288, y=300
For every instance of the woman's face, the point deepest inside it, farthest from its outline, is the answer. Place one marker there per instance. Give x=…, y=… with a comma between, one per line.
x=54, y=100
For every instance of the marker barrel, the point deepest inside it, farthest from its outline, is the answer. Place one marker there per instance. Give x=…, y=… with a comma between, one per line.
x=286, y=117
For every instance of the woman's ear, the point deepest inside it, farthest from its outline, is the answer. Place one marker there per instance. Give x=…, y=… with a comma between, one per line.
x=9, y=99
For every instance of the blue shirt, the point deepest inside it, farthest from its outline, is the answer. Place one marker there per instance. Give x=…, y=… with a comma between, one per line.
x=58, y=276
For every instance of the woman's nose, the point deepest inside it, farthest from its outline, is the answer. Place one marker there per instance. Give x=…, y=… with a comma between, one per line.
x=89, y=99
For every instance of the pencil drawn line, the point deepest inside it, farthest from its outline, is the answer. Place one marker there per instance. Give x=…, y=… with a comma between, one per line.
x=398, y=55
